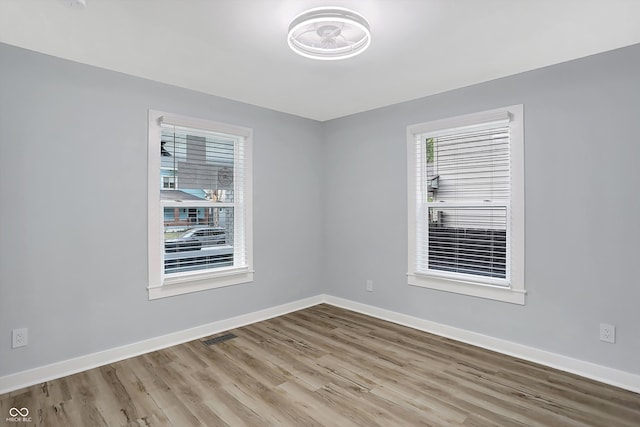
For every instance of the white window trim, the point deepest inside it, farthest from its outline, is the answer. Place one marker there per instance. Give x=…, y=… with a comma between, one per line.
x=515, y=292
x=160, y=286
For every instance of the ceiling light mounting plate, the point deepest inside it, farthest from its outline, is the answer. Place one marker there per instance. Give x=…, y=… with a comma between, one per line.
x=329, y=33
x=75, y=4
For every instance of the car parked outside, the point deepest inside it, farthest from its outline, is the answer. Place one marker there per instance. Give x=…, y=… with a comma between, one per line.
x=207, y=236
x=197, y=248
x=196, y=238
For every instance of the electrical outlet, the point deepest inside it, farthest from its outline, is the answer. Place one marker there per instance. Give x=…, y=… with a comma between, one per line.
x=607, y=333
x=369, y=285
x=19, y=337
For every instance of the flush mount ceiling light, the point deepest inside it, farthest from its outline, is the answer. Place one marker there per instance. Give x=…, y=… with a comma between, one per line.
x=329, y=33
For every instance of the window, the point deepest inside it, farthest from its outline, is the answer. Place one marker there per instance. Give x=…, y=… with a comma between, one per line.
x=200, y=227
x=466, y=204
x=168, y=182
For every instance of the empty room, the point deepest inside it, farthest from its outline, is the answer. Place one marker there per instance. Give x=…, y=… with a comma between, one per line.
x=312, y=213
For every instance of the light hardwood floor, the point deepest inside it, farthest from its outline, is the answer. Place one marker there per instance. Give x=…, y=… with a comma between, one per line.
x=324, y=366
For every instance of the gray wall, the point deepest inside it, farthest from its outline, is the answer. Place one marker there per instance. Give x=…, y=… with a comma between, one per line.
x=73, y=237
x=582, y=121
x=73, y=191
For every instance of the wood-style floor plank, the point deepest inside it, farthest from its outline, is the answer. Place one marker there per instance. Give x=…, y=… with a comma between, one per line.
x=325, y=366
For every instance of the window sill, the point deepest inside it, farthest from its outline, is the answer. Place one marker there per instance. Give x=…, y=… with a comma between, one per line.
x=498, y=293
x=187, y=284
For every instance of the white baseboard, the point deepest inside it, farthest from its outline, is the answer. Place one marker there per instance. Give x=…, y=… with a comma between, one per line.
x=82, y=363
x=585, y=369
x=590, y=370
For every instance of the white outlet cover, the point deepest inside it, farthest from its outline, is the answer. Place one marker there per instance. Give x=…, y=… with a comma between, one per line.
x=19, y=337
x=607, y=333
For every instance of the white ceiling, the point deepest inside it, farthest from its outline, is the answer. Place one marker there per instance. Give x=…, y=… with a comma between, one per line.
x=237, y=49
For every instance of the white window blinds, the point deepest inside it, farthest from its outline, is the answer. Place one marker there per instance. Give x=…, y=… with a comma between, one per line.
x=202, y=176
x=464, y=190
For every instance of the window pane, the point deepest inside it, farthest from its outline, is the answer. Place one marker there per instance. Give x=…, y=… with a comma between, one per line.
x=197, y=238
x=469, y=240
x=471, y=166
x=201, y=162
